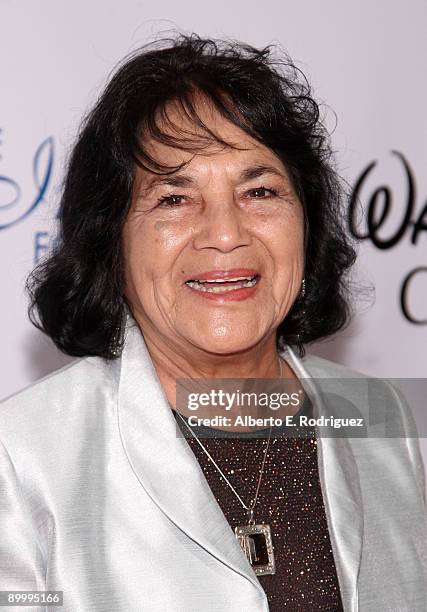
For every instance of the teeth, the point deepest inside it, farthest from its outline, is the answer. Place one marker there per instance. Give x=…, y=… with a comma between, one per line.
x=223, y=280
x=201, y=287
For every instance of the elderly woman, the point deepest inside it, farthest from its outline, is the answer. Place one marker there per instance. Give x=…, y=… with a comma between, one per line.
x=201, y=237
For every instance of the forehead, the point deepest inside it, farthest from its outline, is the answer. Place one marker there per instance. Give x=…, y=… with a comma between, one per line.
x=207, y=136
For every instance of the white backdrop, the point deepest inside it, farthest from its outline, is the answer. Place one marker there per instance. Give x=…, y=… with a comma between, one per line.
x=366, y=61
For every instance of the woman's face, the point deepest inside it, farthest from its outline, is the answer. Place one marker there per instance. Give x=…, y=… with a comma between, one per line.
x=213, y=253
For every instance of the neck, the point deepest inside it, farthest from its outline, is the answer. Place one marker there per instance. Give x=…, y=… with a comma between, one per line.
x=173, y=362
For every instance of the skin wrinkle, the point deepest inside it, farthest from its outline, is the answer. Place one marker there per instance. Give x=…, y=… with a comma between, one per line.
x=218, y=224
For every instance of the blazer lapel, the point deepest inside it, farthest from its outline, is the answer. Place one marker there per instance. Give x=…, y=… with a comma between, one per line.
x=164, y=463
x=160, y=458
x=339, y=479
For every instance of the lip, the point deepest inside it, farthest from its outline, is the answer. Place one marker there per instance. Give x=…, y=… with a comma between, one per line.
x=224, y=274
x=236, y=295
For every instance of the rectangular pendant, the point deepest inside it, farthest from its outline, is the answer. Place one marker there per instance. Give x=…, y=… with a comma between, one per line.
x=257, y=545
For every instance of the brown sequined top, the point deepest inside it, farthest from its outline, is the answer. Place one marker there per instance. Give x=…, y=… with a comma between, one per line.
x=289, y=500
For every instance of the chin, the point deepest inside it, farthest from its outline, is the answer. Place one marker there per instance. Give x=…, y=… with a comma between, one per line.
x=226, y=344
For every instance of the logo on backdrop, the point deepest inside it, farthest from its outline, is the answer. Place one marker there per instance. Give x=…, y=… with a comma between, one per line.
x=408, y=225
x=16, y=206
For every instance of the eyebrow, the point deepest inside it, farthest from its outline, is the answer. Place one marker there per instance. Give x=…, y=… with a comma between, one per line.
x=185, y=180
x=258, y=170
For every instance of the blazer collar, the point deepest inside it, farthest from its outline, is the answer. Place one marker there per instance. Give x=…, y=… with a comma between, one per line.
x=166, y=468
x=339, y=480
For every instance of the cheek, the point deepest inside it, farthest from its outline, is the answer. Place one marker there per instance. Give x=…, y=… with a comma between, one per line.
x=151, y=249
x=283, y=237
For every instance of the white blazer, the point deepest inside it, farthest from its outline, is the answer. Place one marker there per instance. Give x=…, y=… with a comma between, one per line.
x=100, y=499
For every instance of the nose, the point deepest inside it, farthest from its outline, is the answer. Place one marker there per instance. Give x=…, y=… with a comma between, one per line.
x=222, y=226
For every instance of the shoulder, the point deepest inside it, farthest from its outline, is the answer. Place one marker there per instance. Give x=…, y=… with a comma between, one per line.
x=365, y=390
x=374, y=397
x=67, y=379
x=57, y=401
x=320, y=366
x=387, y=413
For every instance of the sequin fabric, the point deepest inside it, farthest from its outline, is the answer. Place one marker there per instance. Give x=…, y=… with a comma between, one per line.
x=289, y=500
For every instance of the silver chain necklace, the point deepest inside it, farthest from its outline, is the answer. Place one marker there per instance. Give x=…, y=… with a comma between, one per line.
x=255, y=540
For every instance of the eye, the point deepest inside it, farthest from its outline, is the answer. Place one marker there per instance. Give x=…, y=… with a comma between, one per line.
x=170, y=201
x=262, y=192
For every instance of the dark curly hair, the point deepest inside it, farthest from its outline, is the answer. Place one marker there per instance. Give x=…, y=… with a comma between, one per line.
x=76, y=293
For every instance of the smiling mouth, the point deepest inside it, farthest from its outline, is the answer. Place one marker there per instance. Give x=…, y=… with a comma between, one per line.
x=223, y=286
